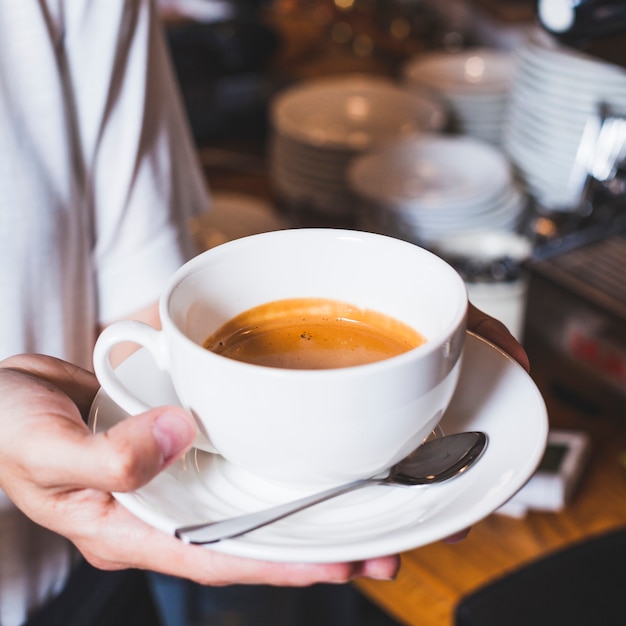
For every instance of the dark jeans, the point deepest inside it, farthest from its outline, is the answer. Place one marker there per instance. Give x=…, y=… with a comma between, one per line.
x=96, y=598
x=184, y=603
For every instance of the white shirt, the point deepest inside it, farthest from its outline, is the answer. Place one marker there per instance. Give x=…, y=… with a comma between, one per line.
x=97, y=178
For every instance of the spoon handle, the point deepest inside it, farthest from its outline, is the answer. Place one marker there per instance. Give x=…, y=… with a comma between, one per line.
x=212, y=532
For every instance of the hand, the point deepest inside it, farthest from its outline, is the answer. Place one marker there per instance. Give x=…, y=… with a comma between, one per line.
x=496, y=332
x=61, y=476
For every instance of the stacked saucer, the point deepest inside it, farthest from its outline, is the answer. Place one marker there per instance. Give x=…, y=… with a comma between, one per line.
x=319, y=126
x=426, y=188
x=554, y=94
x=475, y=83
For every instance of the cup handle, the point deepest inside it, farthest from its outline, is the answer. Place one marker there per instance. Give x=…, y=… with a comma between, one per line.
x=135, y=332
x=147, y=337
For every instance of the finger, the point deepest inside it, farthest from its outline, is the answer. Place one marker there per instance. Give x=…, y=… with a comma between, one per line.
x=223, y=569
x=79, y=384
x=495, y=331
x=121, y=459
x=385, y=568
x=148, y=548
x=136, y=449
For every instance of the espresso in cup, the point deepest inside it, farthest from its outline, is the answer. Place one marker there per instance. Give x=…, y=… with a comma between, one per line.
x=312, y=333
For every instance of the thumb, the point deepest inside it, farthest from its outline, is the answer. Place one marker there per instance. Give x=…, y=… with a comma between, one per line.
x=136, y=449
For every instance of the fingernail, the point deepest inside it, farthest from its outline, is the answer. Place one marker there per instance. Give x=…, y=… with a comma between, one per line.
x=173, y=433
x=380, y=569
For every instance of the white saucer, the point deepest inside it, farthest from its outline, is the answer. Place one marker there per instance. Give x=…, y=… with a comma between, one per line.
x=437, y=171
x=494, y=395
x=476, y=70
x=353, y=112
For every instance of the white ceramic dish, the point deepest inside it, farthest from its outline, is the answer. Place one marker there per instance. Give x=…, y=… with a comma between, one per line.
x=320, y=125
x=494, y=216
x=532, y=125
x=436, y=170
x=477, y=70
x=463, y=215
x=310, y=162
x=425, y=226
x=486, y=245
x=475, y=83
x=555, y=91
x=572, y=100
x=555, y=77
x=353, y=112
x=549, y=54
x=546, y=152
x=426, y=234
x=494, y=395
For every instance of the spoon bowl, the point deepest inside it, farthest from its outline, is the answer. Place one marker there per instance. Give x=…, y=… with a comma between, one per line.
x=433, y=461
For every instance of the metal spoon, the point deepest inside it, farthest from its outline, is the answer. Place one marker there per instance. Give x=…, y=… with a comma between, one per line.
x=432, y=462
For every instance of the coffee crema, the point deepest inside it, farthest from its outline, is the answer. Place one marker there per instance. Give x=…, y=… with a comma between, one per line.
x=312, y=333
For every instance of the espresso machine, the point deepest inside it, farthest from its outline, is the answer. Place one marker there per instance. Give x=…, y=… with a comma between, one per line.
x=575, y=330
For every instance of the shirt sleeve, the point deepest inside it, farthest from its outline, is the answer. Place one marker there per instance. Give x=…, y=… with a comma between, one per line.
x=141, y=172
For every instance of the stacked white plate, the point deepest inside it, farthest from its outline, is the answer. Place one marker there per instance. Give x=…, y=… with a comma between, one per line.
x=426, y=188
x=555, y=91
x=475, y=83
x=319, y=126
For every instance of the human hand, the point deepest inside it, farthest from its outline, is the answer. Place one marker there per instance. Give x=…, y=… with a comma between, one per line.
x=61, y=475
x=495, y=331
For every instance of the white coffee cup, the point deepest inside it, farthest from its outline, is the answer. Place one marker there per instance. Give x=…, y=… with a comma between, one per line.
x=305, y=427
